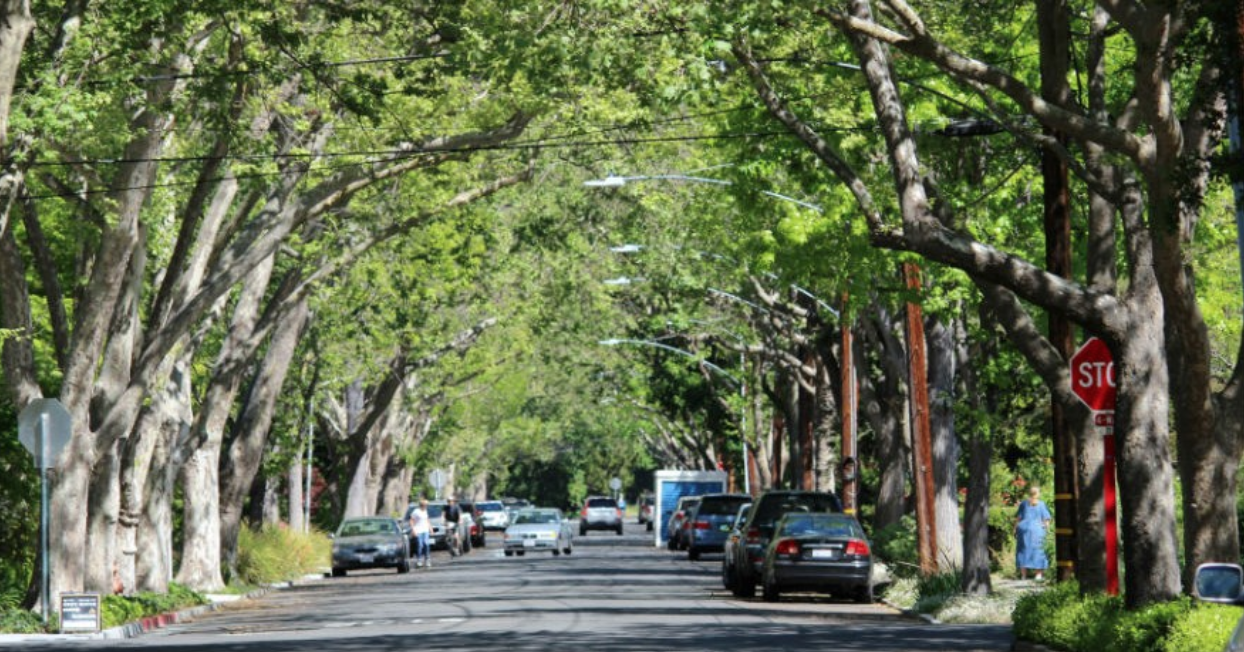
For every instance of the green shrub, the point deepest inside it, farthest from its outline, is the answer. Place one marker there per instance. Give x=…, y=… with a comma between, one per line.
x=1203, y=629
x=120, y=609
x=1063, y=619
x=20, y=621
x=936, y=590
x=277, y=554
x=896, y=546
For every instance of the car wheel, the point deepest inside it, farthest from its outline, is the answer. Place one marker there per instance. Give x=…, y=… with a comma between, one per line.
x=520, y=553
x=483, y=541
x=509, y=553
x=649, y=526
x=727, y=576
x=403, y=566
x=466, y=545
x=772, y=592
x=864, y=594
x=693, y=554
x=557, y=553
x=670, y=545
x=568, y=550
x=619, y=529
x=582, y=531
x=339, y=572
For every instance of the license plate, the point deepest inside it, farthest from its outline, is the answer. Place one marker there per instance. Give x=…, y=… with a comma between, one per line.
x=366, y=559
x=529, y=543
x=824, y=554
x=724, y=528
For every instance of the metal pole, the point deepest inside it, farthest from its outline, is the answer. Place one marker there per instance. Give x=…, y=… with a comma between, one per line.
x=849, y=484
x=747, y=467
x=306, y=522
x=43, y=515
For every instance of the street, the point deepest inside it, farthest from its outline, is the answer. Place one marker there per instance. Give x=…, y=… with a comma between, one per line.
x=613, y=594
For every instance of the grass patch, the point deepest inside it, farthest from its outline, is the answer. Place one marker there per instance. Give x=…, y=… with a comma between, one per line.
x=279, y=554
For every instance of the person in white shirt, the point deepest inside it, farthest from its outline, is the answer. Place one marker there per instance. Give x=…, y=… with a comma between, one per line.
x=421, y=527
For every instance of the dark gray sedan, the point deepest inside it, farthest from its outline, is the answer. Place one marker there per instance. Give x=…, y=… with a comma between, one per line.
x=821, y=552
x=370, y=542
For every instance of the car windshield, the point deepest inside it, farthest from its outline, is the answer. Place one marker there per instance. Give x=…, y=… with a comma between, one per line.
x=525, y=518
x=721, y=506
x=363, y=528
x=491, y=507
x=823, y=525
x=435, y=511
x=771, y=508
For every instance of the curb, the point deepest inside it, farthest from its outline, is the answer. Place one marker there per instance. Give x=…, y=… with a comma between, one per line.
x=151, y=623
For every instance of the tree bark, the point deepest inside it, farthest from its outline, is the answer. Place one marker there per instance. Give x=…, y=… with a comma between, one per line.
x=241, y=463
x=943, y=370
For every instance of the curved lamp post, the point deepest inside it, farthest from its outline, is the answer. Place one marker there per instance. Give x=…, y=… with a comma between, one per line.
x=742, y=385
x=917, y=378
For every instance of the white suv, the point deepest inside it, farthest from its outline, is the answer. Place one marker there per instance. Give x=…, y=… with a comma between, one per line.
x=600, y=513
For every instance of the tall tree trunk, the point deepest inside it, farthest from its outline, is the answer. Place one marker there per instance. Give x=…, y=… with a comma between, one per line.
x=882, y=404
x=250, y=434
x=976, y=579
x=943, y=369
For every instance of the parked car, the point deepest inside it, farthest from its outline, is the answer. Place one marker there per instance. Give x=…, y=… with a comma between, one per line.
x=371, y=542
x=478, y=534
x=539, y=529
x=600, y=513
x=492, y=514
x=733, y=540
x=710, y=523
x=673, y=527
x=756, y=532
x=821, y=552
x=647, y=511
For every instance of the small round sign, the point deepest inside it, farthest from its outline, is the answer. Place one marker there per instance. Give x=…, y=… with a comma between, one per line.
x=615, y=483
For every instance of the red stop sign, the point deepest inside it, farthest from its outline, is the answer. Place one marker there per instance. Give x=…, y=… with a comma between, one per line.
x=1092, y=375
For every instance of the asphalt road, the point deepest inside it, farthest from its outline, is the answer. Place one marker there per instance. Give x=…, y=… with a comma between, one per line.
x=614, y=594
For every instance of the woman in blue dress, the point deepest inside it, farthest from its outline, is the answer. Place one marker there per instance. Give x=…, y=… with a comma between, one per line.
x=1031, y=521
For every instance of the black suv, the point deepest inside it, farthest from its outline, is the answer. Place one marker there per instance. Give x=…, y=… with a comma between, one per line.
x=758, y=529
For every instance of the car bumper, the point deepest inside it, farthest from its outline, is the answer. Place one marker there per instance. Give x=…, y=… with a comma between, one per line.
x=532, y=544
x=809, y=575
x=352, y=561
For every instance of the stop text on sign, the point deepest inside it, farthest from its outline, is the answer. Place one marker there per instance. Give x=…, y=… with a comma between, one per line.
x=1096, y=374
x=1092, y=375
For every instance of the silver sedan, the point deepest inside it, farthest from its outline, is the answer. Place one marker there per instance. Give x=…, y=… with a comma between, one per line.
x=540, y=529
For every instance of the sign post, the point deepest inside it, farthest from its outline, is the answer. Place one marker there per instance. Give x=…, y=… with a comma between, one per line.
x=44, y=428
x=437, y=479
x=1092, y=380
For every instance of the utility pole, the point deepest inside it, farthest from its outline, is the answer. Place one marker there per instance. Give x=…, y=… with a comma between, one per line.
x=921, y=434
x=850, y=466
x=1054, y=35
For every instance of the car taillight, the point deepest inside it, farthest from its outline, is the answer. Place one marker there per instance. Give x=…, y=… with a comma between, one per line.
x=701, y=525
x=857, y=547
x=619, y=512
x=788, y=547
x=753, y=535
x=583, y=514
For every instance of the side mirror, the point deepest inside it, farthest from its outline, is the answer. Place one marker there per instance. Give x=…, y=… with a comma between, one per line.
x=332, y=536
x=1223, y=583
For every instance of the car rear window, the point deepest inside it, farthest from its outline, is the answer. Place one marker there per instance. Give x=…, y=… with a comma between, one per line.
x=773, y=506
x=602, y=502
x=491, y=507
x=722, y=506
